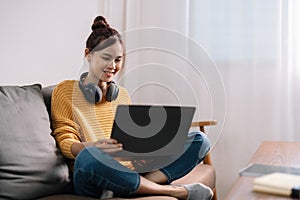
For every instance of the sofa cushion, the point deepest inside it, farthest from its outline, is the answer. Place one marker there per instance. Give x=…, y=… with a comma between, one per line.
x=30, y=164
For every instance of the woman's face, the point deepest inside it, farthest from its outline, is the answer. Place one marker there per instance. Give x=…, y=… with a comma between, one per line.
x=105, y=63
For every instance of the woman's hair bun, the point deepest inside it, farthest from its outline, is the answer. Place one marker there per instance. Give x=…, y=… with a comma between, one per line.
x=99, y=23
x=101, y=31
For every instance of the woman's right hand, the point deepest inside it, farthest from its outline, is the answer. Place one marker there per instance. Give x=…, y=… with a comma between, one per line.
x=109, y=146
x=106, y=145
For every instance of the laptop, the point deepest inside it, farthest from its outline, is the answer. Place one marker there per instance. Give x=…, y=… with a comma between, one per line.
x=151, y=130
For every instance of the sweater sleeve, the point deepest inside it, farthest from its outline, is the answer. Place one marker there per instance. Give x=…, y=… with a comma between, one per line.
x=65, y=129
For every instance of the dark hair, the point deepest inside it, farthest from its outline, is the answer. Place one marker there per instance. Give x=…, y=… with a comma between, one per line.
x=101, y=31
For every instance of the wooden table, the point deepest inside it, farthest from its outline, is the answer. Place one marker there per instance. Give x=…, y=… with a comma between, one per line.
x=272, y=153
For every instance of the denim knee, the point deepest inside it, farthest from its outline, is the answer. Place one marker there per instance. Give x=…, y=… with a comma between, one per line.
x=92, y=156
x=205, y=147
x=196, y=148
x=96, y=161
x=200, y=138
x=84, y=159
x=95, y=171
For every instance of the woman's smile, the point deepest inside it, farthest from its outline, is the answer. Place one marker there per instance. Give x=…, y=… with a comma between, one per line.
x=109, y=73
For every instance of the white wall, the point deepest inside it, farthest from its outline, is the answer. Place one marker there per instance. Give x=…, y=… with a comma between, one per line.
x=43, y=41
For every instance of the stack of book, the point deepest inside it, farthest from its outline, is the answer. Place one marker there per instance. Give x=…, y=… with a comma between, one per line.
x=279, y=184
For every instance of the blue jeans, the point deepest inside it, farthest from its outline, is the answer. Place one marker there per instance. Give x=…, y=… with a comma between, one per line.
x=96, y=171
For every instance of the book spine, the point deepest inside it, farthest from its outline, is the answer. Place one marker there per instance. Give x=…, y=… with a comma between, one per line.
x=295, y=192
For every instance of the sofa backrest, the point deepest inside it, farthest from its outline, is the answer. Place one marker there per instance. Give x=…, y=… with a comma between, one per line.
x=47, y=93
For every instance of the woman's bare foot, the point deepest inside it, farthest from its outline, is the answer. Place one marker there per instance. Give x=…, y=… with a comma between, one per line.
x=151, y=188
x=156, y=177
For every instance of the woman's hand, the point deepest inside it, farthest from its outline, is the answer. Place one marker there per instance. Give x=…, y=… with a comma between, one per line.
x=106, y=145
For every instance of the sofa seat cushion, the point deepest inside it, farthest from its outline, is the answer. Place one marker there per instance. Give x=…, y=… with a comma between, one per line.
x=31, y=165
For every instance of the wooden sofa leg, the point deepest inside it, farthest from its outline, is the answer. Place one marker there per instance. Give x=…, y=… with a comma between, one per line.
x=215, y=194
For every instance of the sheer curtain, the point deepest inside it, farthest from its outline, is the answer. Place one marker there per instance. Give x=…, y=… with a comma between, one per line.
x=236, y=61
x=256, y=48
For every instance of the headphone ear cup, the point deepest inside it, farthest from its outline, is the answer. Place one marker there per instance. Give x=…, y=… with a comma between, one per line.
x=92, y=93
x=112, y=92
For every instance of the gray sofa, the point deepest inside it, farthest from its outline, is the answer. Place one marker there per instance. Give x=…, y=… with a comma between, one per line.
x=31, y=165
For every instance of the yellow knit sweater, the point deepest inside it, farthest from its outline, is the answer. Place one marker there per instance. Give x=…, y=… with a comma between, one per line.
x=77, y=120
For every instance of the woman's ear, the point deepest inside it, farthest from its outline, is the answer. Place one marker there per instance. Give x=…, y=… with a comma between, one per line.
x=87, y=54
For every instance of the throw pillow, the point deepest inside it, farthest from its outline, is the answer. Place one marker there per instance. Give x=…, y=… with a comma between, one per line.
x=30, y=164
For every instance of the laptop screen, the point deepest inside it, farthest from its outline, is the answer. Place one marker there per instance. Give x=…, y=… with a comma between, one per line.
x=152, y=129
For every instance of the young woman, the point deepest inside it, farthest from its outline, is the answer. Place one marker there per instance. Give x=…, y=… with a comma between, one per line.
x=83, y=112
